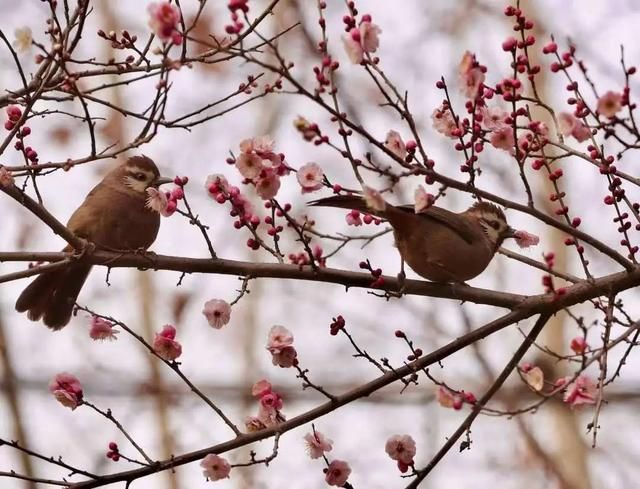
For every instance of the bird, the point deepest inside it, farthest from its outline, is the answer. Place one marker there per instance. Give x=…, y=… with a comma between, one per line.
x=439, y=245
x=113, y=216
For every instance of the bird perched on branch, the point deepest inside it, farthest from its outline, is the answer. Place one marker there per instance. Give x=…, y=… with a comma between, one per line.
x=113, y=216
x=438, y=244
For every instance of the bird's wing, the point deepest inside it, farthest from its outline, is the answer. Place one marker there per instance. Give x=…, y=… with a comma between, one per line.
x=457, y=223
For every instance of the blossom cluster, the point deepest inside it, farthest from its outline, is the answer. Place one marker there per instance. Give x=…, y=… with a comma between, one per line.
x=269, y=405
x=280, y=345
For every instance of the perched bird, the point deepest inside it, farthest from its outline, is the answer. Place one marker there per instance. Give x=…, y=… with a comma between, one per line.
x=438, y=244
x=113, y=216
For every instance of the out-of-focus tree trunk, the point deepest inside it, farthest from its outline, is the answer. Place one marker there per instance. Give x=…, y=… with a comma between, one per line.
x=145, y=296
x=571, y=450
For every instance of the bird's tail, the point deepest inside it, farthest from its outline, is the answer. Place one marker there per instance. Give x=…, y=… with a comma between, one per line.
x=52, y=295
x=348, y=202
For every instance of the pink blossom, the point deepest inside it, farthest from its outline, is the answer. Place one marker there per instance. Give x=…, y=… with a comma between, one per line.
x=217, y=312
x=493, y=118
x=610, y=104
x=470, y=75
x=353, y=218
x=215, y=467
x=525, y=239
x=395, y=144
x=582, y=391
x=271, y=400
x=165, y=345
x=268, y=185
x=444, y=123
x=279, y=338
x=317, y=444
x=163, y=21
x=534, y=377
x=374, y=199
x=67, y=390
x=286, y=358
x=423, y=200
x=101, y=329
x=359, y=41
x=401, y=448
x=269, y=409
x=569, y=125
x=444, y=397
x=216, y=184
x=158, y=201
x=261, y=388
x=503, y=138
x=310, y=177
x=579, y=345
x=337, y=473
x=249, y=165
x=253, y=424
x=6, y=179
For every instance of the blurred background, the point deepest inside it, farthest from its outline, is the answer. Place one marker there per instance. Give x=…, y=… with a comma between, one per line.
x=420, y=42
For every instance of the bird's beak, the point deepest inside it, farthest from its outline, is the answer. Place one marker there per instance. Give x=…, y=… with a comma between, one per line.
x=161, y=181
x=510, y=233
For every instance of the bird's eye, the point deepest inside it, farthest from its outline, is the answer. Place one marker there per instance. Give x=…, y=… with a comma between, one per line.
x=494, y=224
x=139, y=176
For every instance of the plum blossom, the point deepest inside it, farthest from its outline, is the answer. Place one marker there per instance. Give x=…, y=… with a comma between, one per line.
x=279, y=338
x=353, y=218
x=261, y=388
x=268, y=185
x=317, y=444
x=401, y=448
x=569, y=125
x=361, y=40
x=610, y=104
x=534, y=377
x=6, y=179
x=159, y=202
x=423, y=200
x=67, y=390
x=253, y=424
x=310, y=177
x=215, y=467
x=493, y=118
x=101, y=329
x=23, y=39
x=280, y=346
x=579, y=345
x=444, y=123
x=163, y=21
x=470, y=75
x=503, y=138
x=525, y=239
x=216, y=184
x=582, y=391
x=374, y=199
x=444, y=397
x=269, y=409
x=165, y=344
x=217, y=312
x=337, y=473
x=395, y=144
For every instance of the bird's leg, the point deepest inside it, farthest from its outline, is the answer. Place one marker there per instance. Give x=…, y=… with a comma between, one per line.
x=402, y=277
x=88, y=247
x=456, y=285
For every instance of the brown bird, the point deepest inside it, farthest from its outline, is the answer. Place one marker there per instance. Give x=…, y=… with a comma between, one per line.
x=113, y=216
x=438, y=244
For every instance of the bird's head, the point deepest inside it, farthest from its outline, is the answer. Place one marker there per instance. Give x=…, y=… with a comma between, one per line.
x=139, y=173
x=493, y=222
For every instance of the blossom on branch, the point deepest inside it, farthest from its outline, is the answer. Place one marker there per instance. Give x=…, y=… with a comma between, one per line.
x=401, y=448
x=158, y=201
x=165, y=344
x=422, y=199
x=310, y=177
x=582, y=391
x=67, y=390
x=101, y=329
x=395, y=144
x=525, y=239
x=374, y=199
x=23, y=39
x=317, y=444
x=280, y=346
x=217, y=312
x=163, y=21
x=444, y=122
x=569, y=125
x=609, y=104
x=215, y=467
x=470, y=75
x=361, y=40
x=337, y=473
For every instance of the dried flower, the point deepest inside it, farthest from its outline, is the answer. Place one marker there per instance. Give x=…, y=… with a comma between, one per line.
x=23, y=39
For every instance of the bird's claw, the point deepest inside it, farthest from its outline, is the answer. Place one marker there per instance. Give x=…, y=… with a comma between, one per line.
x=88, y=247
